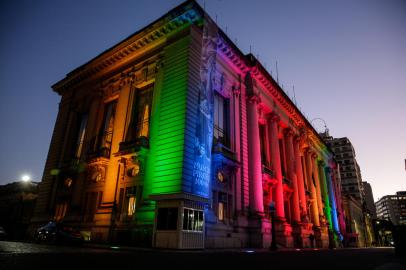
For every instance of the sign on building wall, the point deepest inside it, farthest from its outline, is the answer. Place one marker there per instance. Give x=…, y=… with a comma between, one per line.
x=204, y=119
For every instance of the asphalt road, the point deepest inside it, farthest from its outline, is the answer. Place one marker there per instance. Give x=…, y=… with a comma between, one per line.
x=14, y=255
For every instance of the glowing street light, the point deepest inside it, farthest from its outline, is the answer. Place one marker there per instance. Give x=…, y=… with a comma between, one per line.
x=26, y=178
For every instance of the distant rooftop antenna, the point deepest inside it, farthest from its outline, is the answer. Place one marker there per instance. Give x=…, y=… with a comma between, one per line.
x=250, y=48
x=277, y=74
x=204, y=5
x=216, y=18
x=294, y=95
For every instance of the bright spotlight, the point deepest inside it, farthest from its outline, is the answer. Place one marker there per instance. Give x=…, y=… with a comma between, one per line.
x=26, y=178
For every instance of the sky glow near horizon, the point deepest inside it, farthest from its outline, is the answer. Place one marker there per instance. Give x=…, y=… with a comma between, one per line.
x=346, y=60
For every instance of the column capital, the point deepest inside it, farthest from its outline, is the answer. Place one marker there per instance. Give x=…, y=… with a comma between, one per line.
x=314, y=155
x=254, y=99
x=322, y=162
x=274, y=117
x=308, y=151
x=236, y=90
x=261, y=116
x=288, y=132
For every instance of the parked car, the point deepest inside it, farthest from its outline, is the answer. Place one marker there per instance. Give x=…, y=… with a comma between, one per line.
x=58, y=233
x=3, y=234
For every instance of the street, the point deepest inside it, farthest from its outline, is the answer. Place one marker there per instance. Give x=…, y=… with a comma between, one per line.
x=16, y=255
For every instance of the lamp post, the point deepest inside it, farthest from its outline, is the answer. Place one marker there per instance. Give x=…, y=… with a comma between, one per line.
x=272, y=212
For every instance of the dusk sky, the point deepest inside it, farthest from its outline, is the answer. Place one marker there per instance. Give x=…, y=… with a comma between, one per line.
x=346, y=59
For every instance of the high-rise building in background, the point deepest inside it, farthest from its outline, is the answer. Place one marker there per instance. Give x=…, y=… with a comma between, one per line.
x=174, y=138
x=351, y=179
x=369, y=199
x=358, y=217
x=393, y=208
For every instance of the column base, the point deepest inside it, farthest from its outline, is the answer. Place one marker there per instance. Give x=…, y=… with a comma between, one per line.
x=283, y=231
x=301, y=235
x=260, y=233
x=321, y=237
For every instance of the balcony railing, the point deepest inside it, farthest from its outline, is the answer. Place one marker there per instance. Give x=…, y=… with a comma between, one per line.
x=266, y=169
x=134, y=145
x=224, y=150
x=287, y=181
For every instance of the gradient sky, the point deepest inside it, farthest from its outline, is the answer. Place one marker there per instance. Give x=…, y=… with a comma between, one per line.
x=346, y=59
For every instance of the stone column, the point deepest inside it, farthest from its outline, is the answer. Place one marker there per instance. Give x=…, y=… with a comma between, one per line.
x=314, y=208
x=254, y=156
x=317, y=183
x=332, y=198
x=324, y=192
x=291, y=173
x=276, y=164
x=300, y=178
x=237, y=143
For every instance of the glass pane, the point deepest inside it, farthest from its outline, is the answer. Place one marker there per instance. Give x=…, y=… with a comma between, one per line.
x=195, y=220
x=185, y=218
x=200, y=224
x=131, y=205
x=81, y=136
x=221, y=211
x=172, y=218
x=162, y=218
x=190, y=220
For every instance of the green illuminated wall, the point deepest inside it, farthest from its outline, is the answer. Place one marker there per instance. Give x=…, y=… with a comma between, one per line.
x=165, y=161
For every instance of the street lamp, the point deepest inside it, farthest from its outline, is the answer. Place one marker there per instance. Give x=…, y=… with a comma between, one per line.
x=26, y=178
x=272, y=212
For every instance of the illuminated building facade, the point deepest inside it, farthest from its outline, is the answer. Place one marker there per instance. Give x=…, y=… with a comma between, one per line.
x=176, y=139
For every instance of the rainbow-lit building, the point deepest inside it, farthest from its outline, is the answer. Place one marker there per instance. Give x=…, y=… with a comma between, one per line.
x=174, y=138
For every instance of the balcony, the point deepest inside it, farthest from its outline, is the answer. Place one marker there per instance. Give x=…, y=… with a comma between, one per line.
x=134, y=145
x=219, y=148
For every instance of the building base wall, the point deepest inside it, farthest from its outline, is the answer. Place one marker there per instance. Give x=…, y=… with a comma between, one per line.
x=301, y=235
x=321, y=237
x=283, y=231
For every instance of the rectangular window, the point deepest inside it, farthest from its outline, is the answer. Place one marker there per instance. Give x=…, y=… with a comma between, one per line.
x=91, y=206
x=192, y=220
x=167, y=219
x=282, y=157
x=141, y=112
x=60, y=211
x=81, y=136
x=222, y=206
x=132, y=202
x=303, y=172
x=221, y=120
x=262, y=140
x=106, y=134
x=221, y=211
